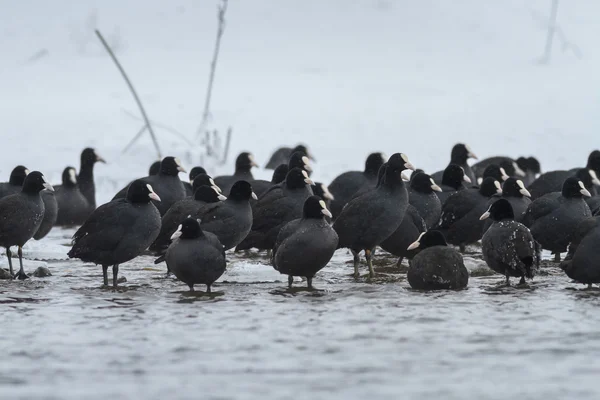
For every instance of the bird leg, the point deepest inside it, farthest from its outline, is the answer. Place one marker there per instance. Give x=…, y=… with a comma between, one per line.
x=522, y=281
x=208, y=288
x=507, y=280
x=290, y=281
x=369, y=257
x=356, y=263
x=191, y=287
x=309, y=282
x=589, y=286
x=462, y=247
x=115, y=275
x=556, y=257
x=9, y=256
x=21, y=274
x=105, y=274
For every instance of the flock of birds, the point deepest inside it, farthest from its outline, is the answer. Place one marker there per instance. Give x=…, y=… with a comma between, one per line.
x=507, y=204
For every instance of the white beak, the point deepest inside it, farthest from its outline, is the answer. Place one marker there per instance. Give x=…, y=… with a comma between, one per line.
x=436, y=188
x=308, y=181
x=585, y=192
x=177, y=233
x=254, y=196
x=525, y=192
x=404, y=177
x=518, y=170
x=48, y=186
x=485, y=215
x=414, y=245
x=466, y=179
x=179, y=166
x=72, y=176
x=595, y=179
x=503, y=174
x=152, y=194
x=326, y=212
x=221, y=197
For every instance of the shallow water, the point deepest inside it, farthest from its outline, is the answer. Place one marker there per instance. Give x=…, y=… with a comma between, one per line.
x=67, y=337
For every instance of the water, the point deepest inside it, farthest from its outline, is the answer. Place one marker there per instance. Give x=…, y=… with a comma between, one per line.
x=66, y=337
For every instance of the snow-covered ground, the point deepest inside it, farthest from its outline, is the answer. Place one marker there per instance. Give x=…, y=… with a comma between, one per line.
x=344, y=76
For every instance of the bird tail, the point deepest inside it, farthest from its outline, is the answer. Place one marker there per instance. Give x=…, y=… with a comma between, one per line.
x=528, y=261
x=160, y=259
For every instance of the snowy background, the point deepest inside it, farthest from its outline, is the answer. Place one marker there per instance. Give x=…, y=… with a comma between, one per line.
x=344, y=76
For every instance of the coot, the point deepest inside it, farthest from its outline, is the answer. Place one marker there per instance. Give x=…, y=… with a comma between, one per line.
x=243, y=165
x=73, y=208
x=421, y=195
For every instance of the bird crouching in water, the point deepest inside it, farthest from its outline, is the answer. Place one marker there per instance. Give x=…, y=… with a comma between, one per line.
x=369, y=219
x=119, y=231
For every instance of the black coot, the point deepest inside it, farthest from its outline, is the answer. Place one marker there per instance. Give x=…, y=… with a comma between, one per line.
x=421, y=195
x=204, y=180
x=119, y=231
x=344, y=186
x=15, y=182
x=532, y=169
x=459, y=222
x=594, y=204
x=166, y=184
x=509, y=165
x=321, y=190
x=243, y=165
x=181, y=210
x=260, y=186
x=85, y=179
x=452, y=181
x=436, y=266
x=21, y=215
x=194, y=172
x=229, y=220
x=73, y=208
x=195, y=257
x=368, y=220
x=494, y=171
x=276, y=208
x=554, y=217
x=513, y=190
x=50, y=214
x=410, y=228
x=459, y=156
x=154, y=168
x=583, y=261
x=282, y=155
x=304, y=246
x=508, y=246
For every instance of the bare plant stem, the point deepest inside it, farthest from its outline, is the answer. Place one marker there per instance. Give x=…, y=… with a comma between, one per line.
x=227, y=142
x=162, y=126
x=551, y=30
x=135, y=96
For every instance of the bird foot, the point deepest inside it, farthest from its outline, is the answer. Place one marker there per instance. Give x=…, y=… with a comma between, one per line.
x=21, y=275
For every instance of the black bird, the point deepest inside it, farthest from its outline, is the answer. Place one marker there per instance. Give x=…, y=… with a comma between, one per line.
x=459, y=222
x=243, y=164
x=594, y=204
x=554, y=217
x=304, y=246
x=344, y=186
x=15, y=182
x=276, y=208
x=410, y=228
x=167, y=184
x=119, y=231
x=494, y=171
x=368, y=220
x=229, y=220
x=452, y=182
x=204, y=180
x=154, y=168
x=194, y=172
x=195, y=256
x=50, y=214
x=422, y=196
x=436, y=266
x=181, y=210
x=85, y=180
x=459, y=156
x=20, y=217
x=321, y=190
x=282, y=155
x=513, y=190
x=260, y=186
x=532, y=169
x=509, y=165
x=73, y=208
x=583, y=261
x=300, y=160
x=508, y=246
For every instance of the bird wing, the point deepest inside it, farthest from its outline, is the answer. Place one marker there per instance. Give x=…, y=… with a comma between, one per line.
x=540, y=208
x=457, y=206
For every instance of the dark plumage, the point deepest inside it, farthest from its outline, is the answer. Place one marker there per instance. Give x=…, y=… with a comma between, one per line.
x=50, y=214
x=594, y=204
x=304, y=246
x=554, y=217
x=181, y=210
x=532, y=169
x=15, y=182
x=436, y=266
x=282, y=155
x=229, y=220
x=460, y=221
x=459, y=156
x=195, y=256
x=421, y=195
x=154, y=168
x=260, y=186
x=194, y=172
x=277, y=207
x=496, y=172
x=368, y=220
x=119, y=231
x=243, y=165
x=344, y=186
x=452, y=181
x=166, y=184
x=508, y=246
x=203, y=180
x=85, y=179
x=410, y=228
x=513, y=190
x=509, y=165
x=583, y=261
x=321, y=190
x=552, y=181
x=20, y=217
x=73, y=208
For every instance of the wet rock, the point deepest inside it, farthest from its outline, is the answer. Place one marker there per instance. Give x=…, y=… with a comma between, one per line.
x=121, y=279
x=4, y=274
x=41, y=272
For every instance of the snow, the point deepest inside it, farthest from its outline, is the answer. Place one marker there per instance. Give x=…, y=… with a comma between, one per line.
x=346, y=77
